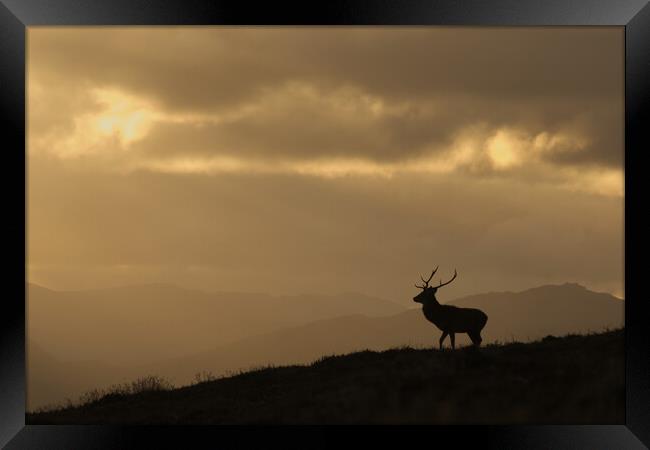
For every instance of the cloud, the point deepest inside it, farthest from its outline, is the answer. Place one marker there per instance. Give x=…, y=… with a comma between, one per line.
x=281, y=233
x=216, y=67
x=302, y=131
x=378, y=94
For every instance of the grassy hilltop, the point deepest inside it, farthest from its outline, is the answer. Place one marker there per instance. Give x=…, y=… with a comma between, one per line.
x=568, y=380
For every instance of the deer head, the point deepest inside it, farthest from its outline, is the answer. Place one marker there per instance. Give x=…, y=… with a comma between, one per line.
x=429, y=292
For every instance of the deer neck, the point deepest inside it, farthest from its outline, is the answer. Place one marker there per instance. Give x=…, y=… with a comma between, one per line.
x=430, y=303
x=431, y=310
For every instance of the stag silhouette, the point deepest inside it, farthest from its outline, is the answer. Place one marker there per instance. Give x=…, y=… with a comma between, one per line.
x=450, y=319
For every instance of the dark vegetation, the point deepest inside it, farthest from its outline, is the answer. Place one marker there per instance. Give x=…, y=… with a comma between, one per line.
x=575, y=379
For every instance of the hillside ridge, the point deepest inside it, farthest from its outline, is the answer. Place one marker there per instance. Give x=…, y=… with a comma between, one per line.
x=571, y=379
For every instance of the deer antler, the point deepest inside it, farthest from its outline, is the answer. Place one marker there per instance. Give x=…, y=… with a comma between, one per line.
x=426, y=282
x=445, y=284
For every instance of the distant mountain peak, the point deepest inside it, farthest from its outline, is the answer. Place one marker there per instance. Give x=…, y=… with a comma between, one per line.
x=564, y=286
x=574, y=285
x=29, y=285
x=153, y=285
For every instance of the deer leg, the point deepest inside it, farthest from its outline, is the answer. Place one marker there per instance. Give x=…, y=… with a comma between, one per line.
x=442, y=338
x=475, y=337
x=452, y=336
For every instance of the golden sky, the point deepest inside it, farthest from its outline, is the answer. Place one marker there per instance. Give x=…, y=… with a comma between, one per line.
x=293, y=160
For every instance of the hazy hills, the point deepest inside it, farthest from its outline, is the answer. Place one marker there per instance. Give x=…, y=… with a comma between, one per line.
x=51, y=381
x=78, y=340
x=570, y=380
x=94, y=338
x=552, y=309
x=136, y=324
x=523, y=316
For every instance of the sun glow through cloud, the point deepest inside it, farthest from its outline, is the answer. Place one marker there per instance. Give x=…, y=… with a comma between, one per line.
x=503, y=149
x=123, y=120
x=121, y=124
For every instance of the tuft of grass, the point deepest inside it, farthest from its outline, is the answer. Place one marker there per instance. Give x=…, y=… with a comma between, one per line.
x=145, y=384
x=204, y=377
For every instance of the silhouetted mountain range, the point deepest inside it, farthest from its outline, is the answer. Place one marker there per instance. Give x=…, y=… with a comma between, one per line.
x=87, y=339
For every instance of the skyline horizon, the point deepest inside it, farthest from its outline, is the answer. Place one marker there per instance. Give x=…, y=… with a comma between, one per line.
x=310, y=293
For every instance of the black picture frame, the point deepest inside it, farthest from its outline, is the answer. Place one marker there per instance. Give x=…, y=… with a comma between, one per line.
x=16, y=15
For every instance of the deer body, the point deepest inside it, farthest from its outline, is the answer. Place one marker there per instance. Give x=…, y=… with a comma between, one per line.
x=454, y=319
x=450, y=319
